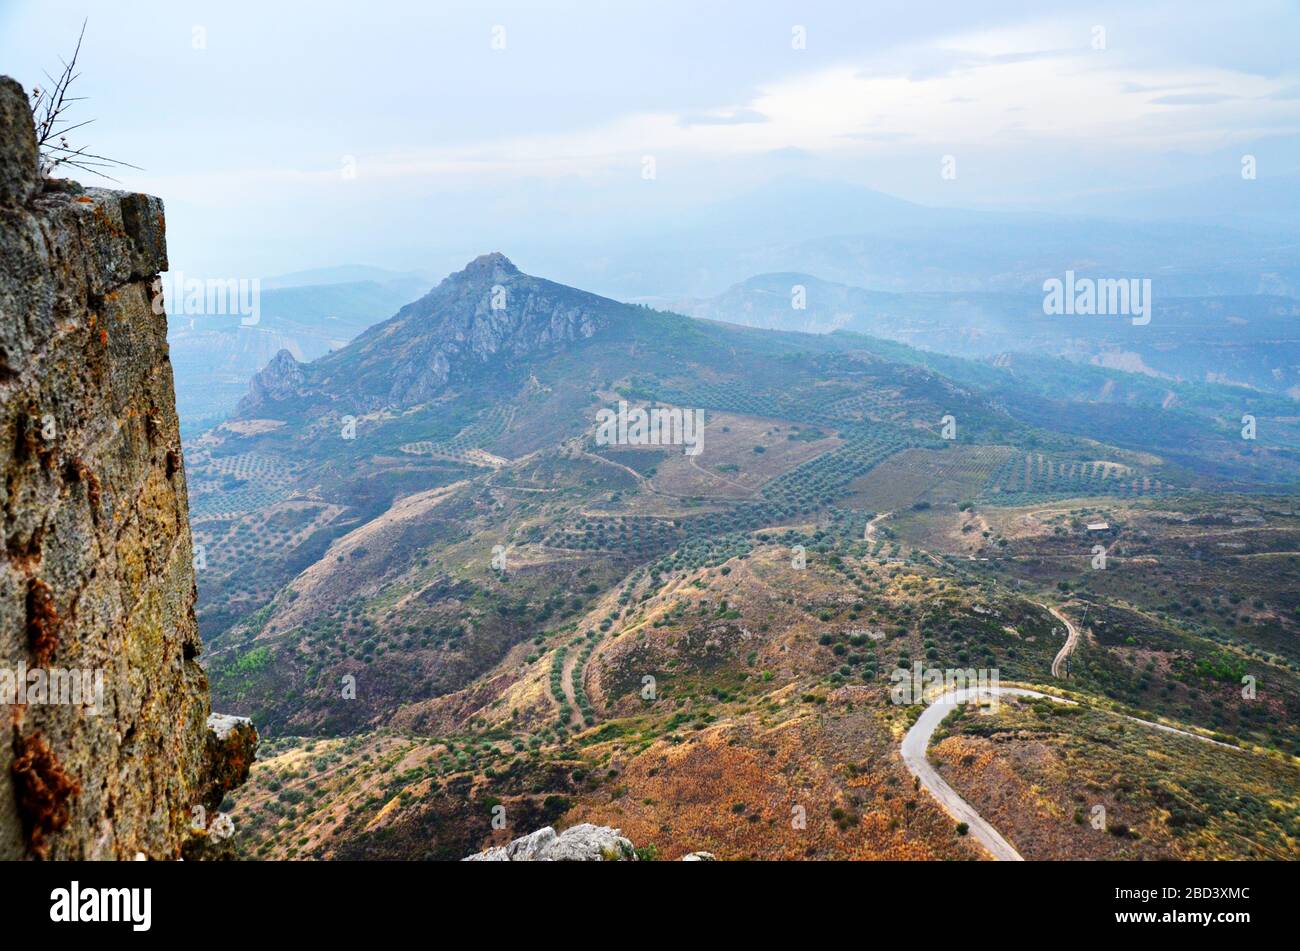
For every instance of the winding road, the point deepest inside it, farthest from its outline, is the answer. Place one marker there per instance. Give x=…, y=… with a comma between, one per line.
x=869, y=533
x=566, y=685
x=1071, y=639
x=917, y=741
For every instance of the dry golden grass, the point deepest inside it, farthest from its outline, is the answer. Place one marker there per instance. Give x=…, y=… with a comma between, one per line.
x=815, y=785
x=1039, y=776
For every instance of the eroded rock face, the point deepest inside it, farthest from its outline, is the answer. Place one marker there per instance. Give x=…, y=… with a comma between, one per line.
x=478, y=322
x=231, y=749
x=96, y=574
x=278, y=380
x=581, y=843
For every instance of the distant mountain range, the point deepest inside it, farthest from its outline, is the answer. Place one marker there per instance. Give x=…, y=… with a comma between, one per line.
x=1270, y=202
x=346, y=274
x=857, y=236
x=1251, y=340
x=957, y=280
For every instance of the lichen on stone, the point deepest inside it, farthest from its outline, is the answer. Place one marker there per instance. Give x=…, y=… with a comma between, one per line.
x=96, y=569
x=43, y=790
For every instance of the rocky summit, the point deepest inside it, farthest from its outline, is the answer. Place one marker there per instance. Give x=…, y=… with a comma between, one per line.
x=477, y=323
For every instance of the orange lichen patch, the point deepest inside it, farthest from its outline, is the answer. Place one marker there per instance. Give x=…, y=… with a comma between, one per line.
x=92, y=491
x=107, y=223
x=30, y=441
x=42, y=621
x=75, y=470
x=43, y=789
x=84, y=200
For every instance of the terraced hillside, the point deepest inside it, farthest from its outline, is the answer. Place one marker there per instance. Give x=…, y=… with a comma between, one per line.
x=454, y=597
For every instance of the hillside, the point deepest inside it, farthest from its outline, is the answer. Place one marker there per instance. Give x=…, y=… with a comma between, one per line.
x=440, y=593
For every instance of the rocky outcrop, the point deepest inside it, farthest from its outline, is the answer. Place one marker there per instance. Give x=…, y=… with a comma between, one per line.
x=479, y=322
x=105, y=747
x=488, y=312
x=581, y=843
x=279, y=380
x=231, y=748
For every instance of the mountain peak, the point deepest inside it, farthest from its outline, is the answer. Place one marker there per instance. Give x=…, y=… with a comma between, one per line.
x=493, y=264
x=464, y=327
x=280, y=379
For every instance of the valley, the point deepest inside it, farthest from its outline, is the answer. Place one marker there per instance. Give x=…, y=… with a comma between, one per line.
x=444, y=602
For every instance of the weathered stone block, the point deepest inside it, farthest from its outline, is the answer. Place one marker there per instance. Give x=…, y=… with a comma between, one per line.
x=96, y=572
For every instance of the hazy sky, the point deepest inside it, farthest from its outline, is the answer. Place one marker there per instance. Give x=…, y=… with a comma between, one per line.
x=249, y=118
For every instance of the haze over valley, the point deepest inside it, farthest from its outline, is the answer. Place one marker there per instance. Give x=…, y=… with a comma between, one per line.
x=652, y=432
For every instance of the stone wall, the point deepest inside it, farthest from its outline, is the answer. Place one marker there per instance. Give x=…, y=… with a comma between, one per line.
x=96, y=572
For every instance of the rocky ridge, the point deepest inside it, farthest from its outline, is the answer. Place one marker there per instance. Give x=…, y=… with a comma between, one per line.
x=480, y=320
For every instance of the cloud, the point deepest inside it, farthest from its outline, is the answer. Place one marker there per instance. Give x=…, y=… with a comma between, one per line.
x=1143, y=88
x=878, y=136
x=1061, y=99
x=791, y=152
x=738, y=117
x=1193, y=99
x=923, y=64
